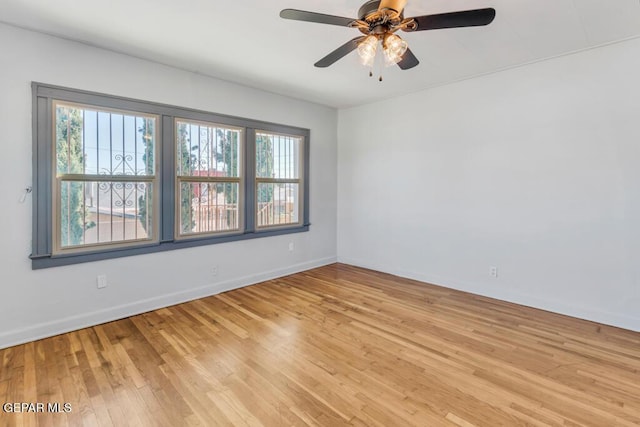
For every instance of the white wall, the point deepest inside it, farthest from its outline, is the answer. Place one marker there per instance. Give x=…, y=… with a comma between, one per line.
x=44, y=302
x=535, y=170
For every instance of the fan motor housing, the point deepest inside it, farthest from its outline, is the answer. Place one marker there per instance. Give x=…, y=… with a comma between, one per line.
x=368, y=8
x=369, y=12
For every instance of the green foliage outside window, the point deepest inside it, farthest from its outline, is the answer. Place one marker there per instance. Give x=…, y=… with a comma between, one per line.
x=187, y=212
x=264, y=165
x=69, y=160
x=145, y=201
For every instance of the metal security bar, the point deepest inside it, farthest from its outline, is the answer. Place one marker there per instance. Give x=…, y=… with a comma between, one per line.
x=105, y=177
x=209, y=176
x=278, y=179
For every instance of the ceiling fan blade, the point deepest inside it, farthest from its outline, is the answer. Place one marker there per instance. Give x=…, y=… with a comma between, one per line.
x=320, y=18
x=397, y=5
x=467, y=18
x=340, y=52
x=408, y=60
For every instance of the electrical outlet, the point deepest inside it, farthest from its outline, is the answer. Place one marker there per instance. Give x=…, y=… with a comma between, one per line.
x=291, y=247
x=101, y=281
x=493, y=272
x=214, y=270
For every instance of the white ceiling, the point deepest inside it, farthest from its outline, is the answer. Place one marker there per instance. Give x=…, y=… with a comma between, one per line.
x=246, y=41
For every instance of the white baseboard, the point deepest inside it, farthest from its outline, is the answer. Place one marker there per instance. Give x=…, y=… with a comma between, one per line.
x=72, y=323
x=587, y=313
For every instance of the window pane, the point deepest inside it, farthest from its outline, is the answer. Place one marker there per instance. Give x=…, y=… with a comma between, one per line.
x=104, y=212
x=208, y=207
x=278, y=204
x=103, y=143
x=277, y=156
x=207, y=150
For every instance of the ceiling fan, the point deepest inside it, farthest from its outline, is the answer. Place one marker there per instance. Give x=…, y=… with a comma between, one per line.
x=378, y=20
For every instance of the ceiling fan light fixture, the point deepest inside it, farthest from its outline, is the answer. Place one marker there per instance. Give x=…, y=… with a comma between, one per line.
x=378, y=20
x=367, y=50
x=393, y=47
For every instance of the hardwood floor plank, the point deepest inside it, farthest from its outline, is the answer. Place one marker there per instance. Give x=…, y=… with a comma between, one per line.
x=337, y=345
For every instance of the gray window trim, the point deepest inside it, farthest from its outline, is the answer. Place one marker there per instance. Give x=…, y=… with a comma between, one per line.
x=42, y=98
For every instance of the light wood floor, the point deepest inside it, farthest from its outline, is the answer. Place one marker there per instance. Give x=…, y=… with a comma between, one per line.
x=332, y=346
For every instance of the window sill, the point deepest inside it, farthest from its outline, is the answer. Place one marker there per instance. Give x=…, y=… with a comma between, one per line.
x=47, y=261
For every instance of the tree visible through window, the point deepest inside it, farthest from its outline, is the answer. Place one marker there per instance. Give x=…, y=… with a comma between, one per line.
x=69, y=160
x=145, y=201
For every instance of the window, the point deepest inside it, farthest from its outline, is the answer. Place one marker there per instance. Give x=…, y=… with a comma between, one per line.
x=117, y=177
x=278, y=179
x=209, y=178
x=104, y=178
